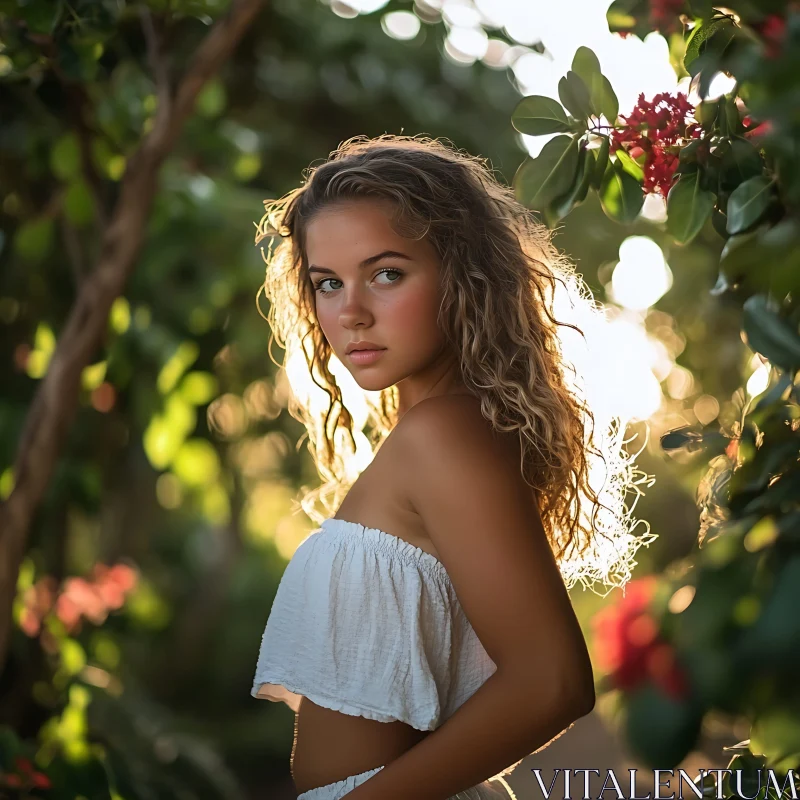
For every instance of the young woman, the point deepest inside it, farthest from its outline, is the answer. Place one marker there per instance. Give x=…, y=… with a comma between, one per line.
x=423, y=633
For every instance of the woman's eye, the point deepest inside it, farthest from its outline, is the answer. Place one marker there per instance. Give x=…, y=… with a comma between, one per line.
x=319, y=285
x=396, y=271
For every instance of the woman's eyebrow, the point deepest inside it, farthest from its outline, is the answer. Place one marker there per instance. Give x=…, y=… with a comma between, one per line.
x=366, y=262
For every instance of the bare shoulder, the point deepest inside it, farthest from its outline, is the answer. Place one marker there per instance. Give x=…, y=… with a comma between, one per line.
x=452, y=428
x=449, y=452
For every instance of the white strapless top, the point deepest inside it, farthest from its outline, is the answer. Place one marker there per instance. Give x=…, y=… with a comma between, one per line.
x=366, y=623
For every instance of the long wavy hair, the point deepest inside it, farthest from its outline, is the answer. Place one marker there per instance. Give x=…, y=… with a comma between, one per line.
x=501, y=280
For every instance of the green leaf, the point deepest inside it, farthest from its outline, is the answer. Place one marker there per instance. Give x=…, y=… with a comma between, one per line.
x=688, y=207
x=693, y=439
x=621, y=195
x=775, y=732
x=34, y=239
x=41, y=17
x=601, y=164
x=769, y=334
x=701, y=8
x=688, y=153
x=212, y=98
x=630, y=16
x=562, y=206
x=706, y=112
x=747, y=204
x=665, y=745
x=65, y=157
x=586, y=65
x=540, y=180
x=537, y=115
x=764, y=260
x=712, y=37
x=79, y=203
x=575, y=96
x=740, y=161
x=733, y=118
x=629, y=165
x=720, y=222
x=604, y=98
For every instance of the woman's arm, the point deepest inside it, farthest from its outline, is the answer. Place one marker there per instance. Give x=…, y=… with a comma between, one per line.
x=465, y=483
x=504, y=721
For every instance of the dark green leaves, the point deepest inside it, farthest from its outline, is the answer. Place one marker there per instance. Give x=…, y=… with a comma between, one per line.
x=41, y=17
x=664, y=745
x=605, y=98
x=688, y=207
x=574, y=95
x=584, y=91
x=740, y=161
x=630, y=165
x=537, y=115
x=771, y=335
x=691, y=439
x=708, y=38
x=540, y=180
x=601, y=163
x=620, y=194
x=586, y=64
x=602, y=98
x=747, y=203
x=560, y=207
x=766, y=259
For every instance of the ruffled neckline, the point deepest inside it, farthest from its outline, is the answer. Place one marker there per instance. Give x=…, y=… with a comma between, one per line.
x=401, y=546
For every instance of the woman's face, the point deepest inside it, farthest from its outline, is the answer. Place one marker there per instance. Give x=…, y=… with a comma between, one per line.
x=372, y=284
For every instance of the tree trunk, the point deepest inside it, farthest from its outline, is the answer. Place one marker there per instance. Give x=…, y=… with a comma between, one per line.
x=55, y=403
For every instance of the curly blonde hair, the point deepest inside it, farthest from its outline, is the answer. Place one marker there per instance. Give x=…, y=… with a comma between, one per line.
x=500, y=275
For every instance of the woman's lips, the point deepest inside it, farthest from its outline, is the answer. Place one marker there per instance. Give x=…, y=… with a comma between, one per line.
x=365, y=356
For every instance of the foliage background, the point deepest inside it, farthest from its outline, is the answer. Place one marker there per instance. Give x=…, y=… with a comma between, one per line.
x=182, y=464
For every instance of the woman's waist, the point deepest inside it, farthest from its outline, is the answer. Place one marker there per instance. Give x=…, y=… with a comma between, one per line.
x=331, y=745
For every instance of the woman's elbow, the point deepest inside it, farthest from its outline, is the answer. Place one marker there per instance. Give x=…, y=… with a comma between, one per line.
x=585, y=700
x=579, y=694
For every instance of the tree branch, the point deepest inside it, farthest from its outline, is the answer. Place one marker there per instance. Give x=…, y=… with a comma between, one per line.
x=155, y=56
x=55, y=404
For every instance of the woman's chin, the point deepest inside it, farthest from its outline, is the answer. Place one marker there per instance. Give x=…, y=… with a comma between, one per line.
x=370, y=383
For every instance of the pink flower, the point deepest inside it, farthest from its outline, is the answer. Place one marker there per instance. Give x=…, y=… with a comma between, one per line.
x=38, y=600
x=91, y=598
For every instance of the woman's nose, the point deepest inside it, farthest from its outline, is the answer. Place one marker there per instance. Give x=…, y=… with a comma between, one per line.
x=355, y=310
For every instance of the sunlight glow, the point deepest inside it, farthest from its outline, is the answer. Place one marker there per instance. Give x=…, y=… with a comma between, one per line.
x=365, y=6
x=632, y=65
x=720, y=84
x=759, y=380
x=401, y=25
x=642, y=276
x=472, y=42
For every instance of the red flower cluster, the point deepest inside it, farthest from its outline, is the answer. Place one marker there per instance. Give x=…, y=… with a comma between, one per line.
x=26, y=776
x=629, y=648
x=79, y=597
x=665, y=15
x=658, y=129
